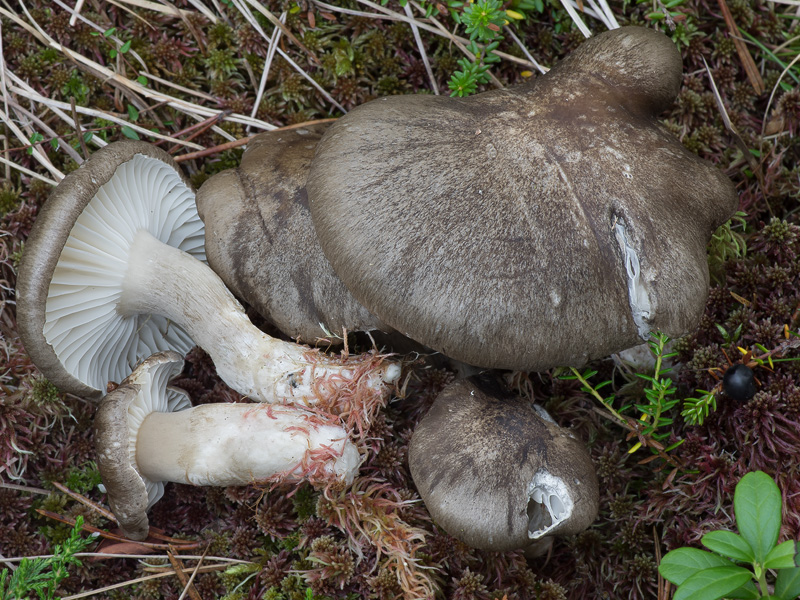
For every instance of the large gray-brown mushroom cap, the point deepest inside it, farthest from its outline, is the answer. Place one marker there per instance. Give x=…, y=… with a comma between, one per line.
x=550, y=223
x=74, y=261
x=496, y=473
x=261, y=241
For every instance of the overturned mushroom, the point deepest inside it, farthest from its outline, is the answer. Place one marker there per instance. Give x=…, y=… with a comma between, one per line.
x=546, y=224
x=146, y=434
x=104, y=259
x=261, y=241
x=498, y=474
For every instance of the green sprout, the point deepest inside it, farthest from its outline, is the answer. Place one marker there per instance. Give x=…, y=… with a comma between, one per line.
x=702, y=575
x=43, y=575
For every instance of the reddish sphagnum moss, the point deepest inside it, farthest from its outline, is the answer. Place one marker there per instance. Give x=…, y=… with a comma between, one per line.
x=375, y=539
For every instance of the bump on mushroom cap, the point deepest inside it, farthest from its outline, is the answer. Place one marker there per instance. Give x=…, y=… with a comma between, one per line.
x=115, y=425
x=44, y=246
x=643, y=65
x=474, y=456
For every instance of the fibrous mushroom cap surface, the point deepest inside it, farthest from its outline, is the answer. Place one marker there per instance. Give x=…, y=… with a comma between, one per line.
x=474, y=456
x=43, y=251
x=261, y=241
x=545, y=224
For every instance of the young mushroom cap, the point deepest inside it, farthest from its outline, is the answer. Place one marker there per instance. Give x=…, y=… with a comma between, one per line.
x=146, y=434
x=546, y=224
x=73, y=264
x=103, y=283
x=260, y=239
x=496, y=472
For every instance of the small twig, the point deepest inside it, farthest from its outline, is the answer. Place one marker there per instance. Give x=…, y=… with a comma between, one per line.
x=78, y=129
x=199, y=128
x=421, y=47
x=74, y=18
x=242, y=141
x=189, y=587
x=177, y=565
x=118, y=538
x=509, y=30
x=741, y=48
x=85, y=501
x=24, y=488
x=286, y=31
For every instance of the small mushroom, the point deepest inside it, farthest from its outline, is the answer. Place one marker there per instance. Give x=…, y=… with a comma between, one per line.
x=497, y=473
x=546, y=224
x=104, y=260
x=260, y=239
x=146, y=434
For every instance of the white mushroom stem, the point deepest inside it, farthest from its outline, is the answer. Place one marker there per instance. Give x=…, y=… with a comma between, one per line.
x=163, y=280
x=238, y=444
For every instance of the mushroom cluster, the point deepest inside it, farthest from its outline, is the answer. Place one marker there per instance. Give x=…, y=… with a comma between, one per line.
x=542, y=225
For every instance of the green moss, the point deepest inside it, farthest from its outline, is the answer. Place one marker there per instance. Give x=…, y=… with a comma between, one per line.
x=9, y=199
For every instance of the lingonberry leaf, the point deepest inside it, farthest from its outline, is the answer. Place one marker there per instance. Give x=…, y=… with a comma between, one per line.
x=787, y=584
x=713, y=584
x=757, y=508
x=680, y=564
x=782, y=556
x=728, y=544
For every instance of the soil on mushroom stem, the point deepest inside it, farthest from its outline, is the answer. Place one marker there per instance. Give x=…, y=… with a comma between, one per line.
x=293, y=535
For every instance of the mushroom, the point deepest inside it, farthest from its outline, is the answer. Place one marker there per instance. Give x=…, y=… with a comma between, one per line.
x=146, y=434
x=260, y=239
x=105, y=259
x=546, y=224
x=496, y=472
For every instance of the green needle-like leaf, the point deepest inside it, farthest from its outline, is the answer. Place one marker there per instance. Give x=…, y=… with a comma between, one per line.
x=757, y=507
x=729, y=544
x=787, y=584
x=680, y=564
x=782, y=556
x=712, y=584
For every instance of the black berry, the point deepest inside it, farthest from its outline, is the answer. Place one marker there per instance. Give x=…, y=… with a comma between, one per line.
x=739, y=382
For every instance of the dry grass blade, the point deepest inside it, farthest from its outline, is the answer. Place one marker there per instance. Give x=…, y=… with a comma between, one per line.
x=741, y=48
x=576, y=18
x=422, y=53
x=85, y=501
x=740, y=143
x=188, y=587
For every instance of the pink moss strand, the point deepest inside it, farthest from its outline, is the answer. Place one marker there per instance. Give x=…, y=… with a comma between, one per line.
x=368, y=514
x=354, y=398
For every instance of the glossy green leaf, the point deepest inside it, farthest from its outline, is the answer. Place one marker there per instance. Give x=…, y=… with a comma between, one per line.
x=680, y=564
x=712, y=584
x=782, y=556
x=787, y=584
x=747, y=592
x=757, y=506
x=728, y=544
